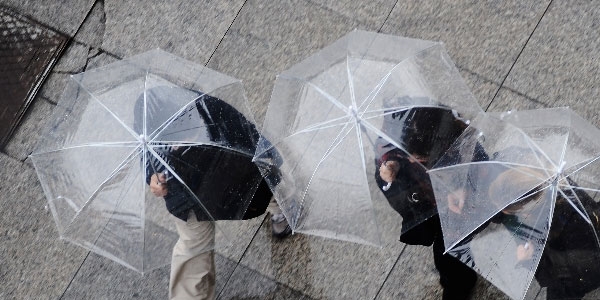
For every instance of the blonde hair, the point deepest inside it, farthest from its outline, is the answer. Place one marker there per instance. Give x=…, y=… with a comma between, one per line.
x=523, y=179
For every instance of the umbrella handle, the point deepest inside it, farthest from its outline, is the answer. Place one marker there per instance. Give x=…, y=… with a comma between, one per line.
x=386, y=187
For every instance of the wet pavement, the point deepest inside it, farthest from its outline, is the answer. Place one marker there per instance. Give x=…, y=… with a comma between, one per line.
x=512, y=54
x=28, y=51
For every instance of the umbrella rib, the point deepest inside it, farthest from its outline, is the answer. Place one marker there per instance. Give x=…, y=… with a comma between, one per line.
x=322, y=92
x=171, y=119
x=185, y=144
x=390, y=140
x=145, y=113
x=131, y=131
x=391, y=110
x=531, y=143
x=588, y=219
x=579, y=188
x=384, y=79
x=107, y=144
x=535, y=154
x=110, y=176
x=176, y=176
x=375, y=91
x=350, y=83
x=508, y=164
x=467, y=233
x=582, y=214
x=324, y=125
x=583, y=166
x=336, y=141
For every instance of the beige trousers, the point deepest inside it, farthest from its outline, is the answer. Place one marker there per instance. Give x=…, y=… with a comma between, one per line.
x=273, y=207
x=193, y=261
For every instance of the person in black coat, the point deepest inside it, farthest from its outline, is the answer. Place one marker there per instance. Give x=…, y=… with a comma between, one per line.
x=569, y=266
x=426, y=133
x=200, y=161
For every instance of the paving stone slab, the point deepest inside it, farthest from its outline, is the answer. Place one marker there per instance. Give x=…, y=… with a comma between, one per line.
x=246, y=283
x=34, y=263
x=65, y=16
x=256, y=49
x=560, y=64
x=101, y=278
x=320, y=268
x=484, y=37
x=190, y=29
x=365, y=12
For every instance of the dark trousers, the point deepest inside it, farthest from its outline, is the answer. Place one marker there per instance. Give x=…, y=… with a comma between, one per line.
x=456, y=278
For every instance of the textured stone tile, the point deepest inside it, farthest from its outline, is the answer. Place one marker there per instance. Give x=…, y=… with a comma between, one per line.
x=91, y=32
x=321, y=268
x=366, y=12
x=413, y=277
x=66, y=16
x=256, y=49
x=246, y=283
x=191, y=29
x=101, y=278
x=560, y=65
x=484, y=37
x=34, y=263
x=483, y=88
x=512, y=100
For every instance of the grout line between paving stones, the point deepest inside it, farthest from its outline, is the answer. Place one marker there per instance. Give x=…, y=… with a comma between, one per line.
x=488, y=80
x=387, y=17
x=68, y=44
x=242, y=256
x=224, y=35
x=518, y=56
x=390, y=272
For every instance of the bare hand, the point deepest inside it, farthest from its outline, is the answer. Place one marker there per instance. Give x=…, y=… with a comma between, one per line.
x=456, y=201
x=158, y=185
x=524, y=252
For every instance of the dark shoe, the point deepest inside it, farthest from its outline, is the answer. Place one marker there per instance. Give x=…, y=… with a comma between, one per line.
x=280, y=226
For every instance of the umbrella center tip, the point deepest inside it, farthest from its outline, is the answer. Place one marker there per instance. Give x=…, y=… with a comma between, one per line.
x=143, y=138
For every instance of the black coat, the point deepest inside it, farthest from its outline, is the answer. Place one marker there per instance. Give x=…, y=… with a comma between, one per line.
x=228, y=185
x=426, y=131
x=571, y=257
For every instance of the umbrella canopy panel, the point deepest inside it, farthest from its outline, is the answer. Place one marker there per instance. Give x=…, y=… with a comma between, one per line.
x=150, y=114
x=518, y=198
x=329, y=112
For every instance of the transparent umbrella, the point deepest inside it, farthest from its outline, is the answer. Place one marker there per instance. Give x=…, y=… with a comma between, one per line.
x=153, y=114
x=517, y=196
x=332, y=117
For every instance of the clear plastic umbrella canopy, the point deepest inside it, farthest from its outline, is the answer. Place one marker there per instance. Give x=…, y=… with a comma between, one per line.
x=331, y=116
x=151, y=114
x=517, y=196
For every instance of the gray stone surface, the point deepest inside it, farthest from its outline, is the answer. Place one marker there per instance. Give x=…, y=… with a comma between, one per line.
x=255, y=49
x=34, y=263
x=101, y=278
x=190, y=29
x=484, y=37
x=560, y=65
x=65, y=16
x=321, y=268
x=247, y=283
